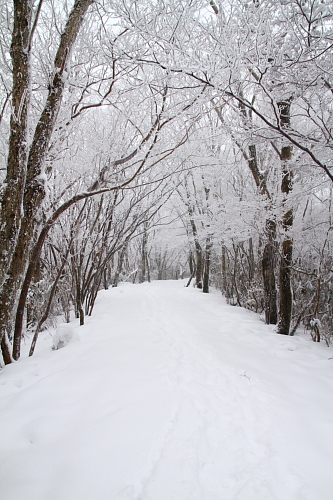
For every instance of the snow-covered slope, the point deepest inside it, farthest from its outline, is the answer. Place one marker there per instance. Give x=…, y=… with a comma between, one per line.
x=169, y=394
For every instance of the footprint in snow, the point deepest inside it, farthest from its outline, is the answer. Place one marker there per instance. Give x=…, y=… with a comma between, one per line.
x=18, y=382
x=128, y=493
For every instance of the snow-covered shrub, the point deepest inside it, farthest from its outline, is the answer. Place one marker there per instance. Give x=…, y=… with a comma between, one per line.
x=64, y=334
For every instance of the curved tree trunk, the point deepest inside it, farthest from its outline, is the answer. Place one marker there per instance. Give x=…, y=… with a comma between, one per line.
x=25, y=169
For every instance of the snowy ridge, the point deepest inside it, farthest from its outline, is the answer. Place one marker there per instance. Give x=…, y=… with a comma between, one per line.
x=169, y=395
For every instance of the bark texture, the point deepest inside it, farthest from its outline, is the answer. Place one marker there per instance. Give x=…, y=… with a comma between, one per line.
x=268, y=271
x=12, y=198
x=286, y=296
x=25, y=192
x=205, y=284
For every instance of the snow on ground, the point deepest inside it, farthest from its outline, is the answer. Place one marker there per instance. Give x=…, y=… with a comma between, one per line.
x=169, y=394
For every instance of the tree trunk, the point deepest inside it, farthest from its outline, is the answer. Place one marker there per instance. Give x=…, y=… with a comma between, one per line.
x=190, y=278
x=121, y=257
x=268, y=271
x=205, y=287
x=20, y=229
x=251, y=261
x=78, y=293
x=12, y=198
x=224, y=270
x=286, y=296
x=79, y=303
x=190, y=263
x=199, y=264
x=16, y=348
x=5, y=349
x=144, y=258
x=234, y=275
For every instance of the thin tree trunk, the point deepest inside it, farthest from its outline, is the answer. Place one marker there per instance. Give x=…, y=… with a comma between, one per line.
x=144, y=260
x=79, y=298
x=199, y=264
x=148, y=268
x=79, y=304
x=268, y=271
x=251, y=260
x=105, y=278
x=16, y=349
x=224, y=270
x=95, y=287
x=121, y=257
x=190, y=278
x=205, y=287
x=190, y=263
x=234, y=277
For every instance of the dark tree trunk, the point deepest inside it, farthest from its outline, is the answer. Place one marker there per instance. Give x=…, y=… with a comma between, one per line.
x=190, y=263
x=251, y=260
x=286, y=296
x=24, y=172
x=5, y=349
x=148, y=269
x=144, y=256
x=251, y=157
x=268, y=271
x=199, y=265
x=224, y=270
x=121, y=257
x=234, y=276
x=13, y=188
x=105, y=279
x=93, y=291
x=205, y=287
x=190, y=278
x=79, y=298
x=197, y=246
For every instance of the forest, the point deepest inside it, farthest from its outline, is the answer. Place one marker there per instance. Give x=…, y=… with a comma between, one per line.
x=150, y=140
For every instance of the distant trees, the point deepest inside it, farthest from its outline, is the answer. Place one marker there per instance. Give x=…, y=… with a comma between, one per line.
x=266, y=65
x=52, y=88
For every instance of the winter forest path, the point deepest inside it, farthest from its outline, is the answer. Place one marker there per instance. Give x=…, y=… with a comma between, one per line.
x=170, y=394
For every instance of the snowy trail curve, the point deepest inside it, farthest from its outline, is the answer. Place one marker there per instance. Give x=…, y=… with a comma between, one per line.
x=169, y=395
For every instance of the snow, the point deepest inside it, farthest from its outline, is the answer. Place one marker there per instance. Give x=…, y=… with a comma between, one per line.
x=63, y=336
x=169, y=394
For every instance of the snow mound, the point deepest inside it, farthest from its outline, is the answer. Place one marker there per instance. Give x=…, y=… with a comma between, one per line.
x=64, y=334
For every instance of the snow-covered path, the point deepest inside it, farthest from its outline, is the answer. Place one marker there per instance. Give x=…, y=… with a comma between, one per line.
x=170, y=394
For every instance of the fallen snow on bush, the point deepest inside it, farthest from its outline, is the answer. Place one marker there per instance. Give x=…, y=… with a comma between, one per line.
x=170, y=395
x=63, y=335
